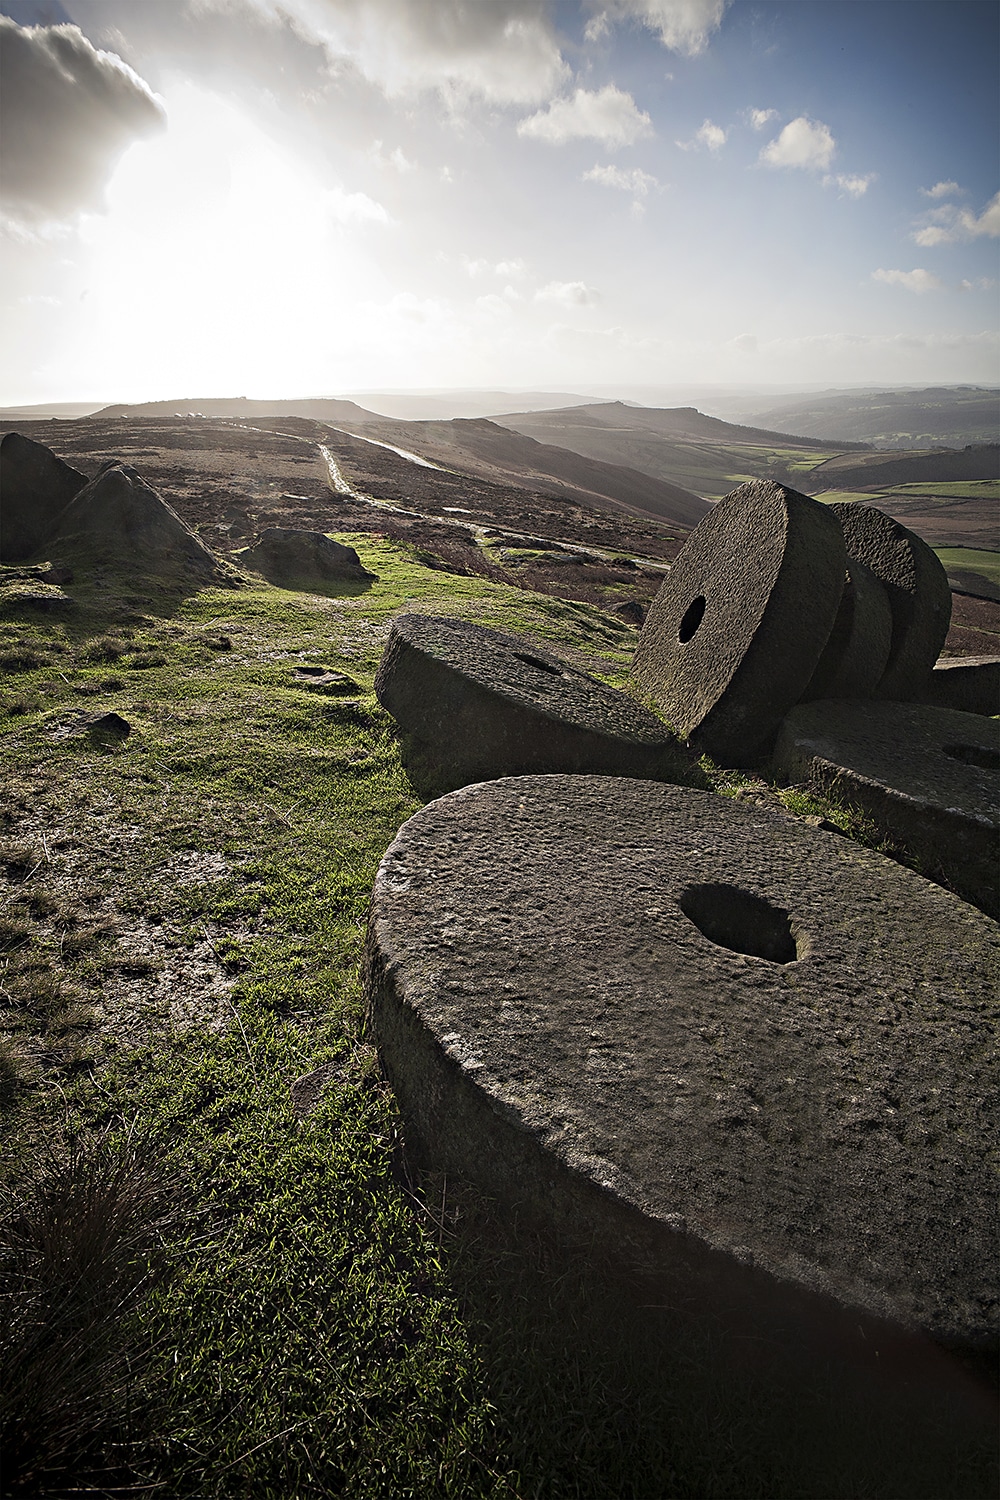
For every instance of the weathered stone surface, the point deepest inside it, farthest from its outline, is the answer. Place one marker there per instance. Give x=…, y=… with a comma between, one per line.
x=487, y=704
x=120, y=522
x=968, y=683
x=917, y=587
x=855, y=656
x=303, y=559
x=35, y=488
x=652, y=1015
x=737, y=630
x=928, y=777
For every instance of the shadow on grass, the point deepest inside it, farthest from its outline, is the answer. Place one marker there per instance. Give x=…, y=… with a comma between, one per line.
x=605, y=1385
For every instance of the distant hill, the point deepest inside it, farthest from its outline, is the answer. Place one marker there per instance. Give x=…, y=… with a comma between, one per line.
x=499, y=454
x=320, y=409
x=442, y=406
x=677, y=445
x=46, y=411
x=951, y=416
x=879, y=470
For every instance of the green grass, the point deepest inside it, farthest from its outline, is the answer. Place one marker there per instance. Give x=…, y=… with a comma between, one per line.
x=971, y=560
x=282, y=1311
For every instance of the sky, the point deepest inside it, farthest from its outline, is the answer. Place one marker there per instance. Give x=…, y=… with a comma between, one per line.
x=280, y=198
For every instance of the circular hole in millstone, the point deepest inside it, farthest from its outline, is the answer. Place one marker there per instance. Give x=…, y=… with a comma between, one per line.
x=693, y=616
x=737, y=920
x=974, y=755
x=535, y=661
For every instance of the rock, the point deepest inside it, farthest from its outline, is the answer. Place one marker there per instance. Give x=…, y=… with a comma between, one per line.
x=927, y=777
x=661, y=1020
x=631, y=610
x=120, y=522
x=738, y=628
x=323, y=680
x=302, y=559
x=487, y=704
x=918, y=591
x=968, y=683
x=34, y=594
x=35, y=488
x=855, y=656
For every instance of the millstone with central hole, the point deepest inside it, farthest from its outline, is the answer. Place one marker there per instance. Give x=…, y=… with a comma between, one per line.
x=652, y=1015
x=484, y=704
x=918, y=590
x=929, y=778
x=738, y=628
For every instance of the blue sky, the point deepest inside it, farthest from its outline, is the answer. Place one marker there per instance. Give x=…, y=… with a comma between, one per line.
x=214, y=197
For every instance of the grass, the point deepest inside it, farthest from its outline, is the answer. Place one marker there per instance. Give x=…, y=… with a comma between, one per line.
x=238, y=1298
x=971, y=560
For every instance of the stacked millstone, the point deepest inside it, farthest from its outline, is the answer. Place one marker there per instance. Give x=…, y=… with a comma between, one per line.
x=478, y=704
x=757, y=1054
x=810, y=632
x=777, y=599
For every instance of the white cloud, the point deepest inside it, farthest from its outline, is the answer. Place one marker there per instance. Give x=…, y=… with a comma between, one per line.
x=760, y=117
x=396, y=159
x=941, y=190
x=352, y=208
x=988, y=221
x=949, y=223
x=608, y=114
x=917, y=280
x=854, y=187
x=506, y=268
x=567, y=294
x=635, y=181
x=505, y=51
x=712, y=136
x=933, y=234
x=67, y=113
x=513, y=268
x=682, y=25
x=803, y=143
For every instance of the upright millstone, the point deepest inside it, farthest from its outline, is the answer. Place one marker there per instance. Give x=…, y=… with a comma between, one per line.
x=918, y=590
x=738, y=628
x=855, y=656
x=482, y=704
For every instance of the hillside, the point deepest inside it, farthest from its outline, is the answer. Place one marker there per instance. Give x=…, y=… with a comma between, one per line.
x=501, y=454
x=676, y=445
x=322, y=409
x=979, y=461
x=948, y=415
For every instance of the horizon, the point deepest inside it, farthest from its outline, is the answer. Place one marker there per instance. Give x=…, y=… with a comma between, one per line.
x=399, y=198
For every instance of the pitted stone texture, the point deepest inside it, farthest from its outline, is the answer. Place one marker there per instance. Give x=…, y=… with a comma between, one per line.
x=918, y=589
x=488, y=704
x=302, y=559
x=928, y=777
x=855, y=656
x=738, y=627
x=969, y=683
x=557, y=1029
x=35, y=488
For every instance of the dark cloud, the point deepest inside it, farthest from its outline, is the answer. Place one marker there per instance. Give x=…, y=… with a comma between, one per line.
x=67, y=112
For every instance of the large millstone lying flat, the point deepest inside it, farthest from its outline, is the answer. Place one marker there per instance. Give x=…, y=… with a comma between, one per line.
x=928, y=777
x=487, y=704
x=649, y=1013
x=918, y=589
x=737, y=630
x=35, y=488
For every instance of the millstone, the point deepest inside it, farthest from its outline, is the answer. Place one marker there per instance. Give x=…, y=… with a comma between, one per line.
x=918, y=590
x=928, y=777
x=968, y=683
x=855, y=656
x=36, y=488
x=653, y=1015
x=738, y=628
x=487, y=704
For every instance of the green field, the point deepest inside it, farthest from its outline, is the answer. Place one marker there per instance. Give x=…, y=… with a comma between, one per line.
x=971, y=560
